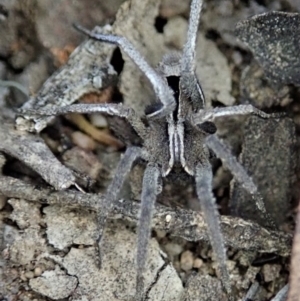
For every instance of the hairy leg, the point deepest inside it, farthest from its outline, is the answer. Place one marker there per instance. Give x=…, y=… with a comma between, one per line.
x=108, y=108
x=189, y=84
x=161, y=89
x=211, y=114
x=113, y=190
x=151, y=188
x=203, y=178
x=238, y=171
x=282, y=294
x=252, y=291
x=189, y=49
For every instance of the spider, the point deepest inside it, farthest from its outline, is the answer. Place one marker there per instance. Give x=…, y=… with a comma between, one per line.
x=177, y=135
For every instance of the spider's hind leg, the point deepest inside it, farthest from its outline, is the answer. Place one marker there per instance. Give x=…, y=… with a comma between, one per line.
x=240, y=174
x=203, y=178
x=113, y=191
x=151, y=188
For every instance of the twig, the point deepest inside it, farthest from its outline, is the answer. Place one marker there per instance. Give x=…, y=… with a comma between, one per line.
x=68, y=84
x=32, y=151
x=187, y=224
x=98, y=135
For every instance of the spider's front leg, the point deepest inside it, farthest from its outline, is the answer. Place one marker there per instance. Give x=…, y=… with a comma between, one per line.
x=151, y=188
x=189, y=85
x=125, y=164
x=203, y=179
x=108, y=108
x=162, y=91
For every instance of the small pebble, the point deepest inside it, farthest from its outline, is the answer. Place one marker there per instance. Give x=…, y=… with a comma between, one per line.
x=29, y=274
x=186, y=261
x=173, y=249
x=14, y=273
x=98, y=120
x=160, y=234
x=297, y=119
x=83, y=141
x=198, y=262
x=237, y=58
x=72, y=214
x=271, y=271
x=168, y=218
x=230, y=265
x=23, y=277
x=38, y=271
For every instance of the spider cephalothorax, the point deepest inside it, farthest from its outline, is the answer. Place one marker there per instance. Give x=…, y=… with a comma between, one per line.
x=177, y=132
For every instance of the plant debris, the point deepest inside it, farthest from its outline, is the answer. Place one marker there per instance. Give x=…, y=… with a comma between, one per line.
x=273, y=40
x=48, y=227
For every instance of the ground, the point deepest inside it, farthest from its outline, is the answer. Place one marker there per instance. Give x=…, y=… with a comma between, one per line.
x=48, y=227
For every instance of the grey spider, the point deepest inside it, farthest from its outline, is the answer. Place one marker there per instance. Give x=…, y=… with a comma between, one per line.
x=177, y=135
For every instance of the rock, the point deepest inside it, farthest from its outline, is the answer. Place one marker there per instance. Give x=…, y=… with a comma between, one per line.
x=206, y=288
x=54, y=284
x=186, y=260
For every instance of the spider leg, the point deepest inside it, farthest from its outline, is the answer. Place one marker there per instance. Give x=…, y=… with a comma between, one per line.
x=151, y=189
x=189, y=85
x=189, y=49
x=107, y=108
x=113, y=190
x=203, y=178
x=163, y=92
x=210, y=114
x=252, y=291
x=282, y=294
x=238, y=171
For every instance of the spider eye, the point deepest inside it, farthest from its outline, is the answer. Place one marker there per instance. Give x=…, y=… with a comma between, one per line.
x=207, y=127
x=153, y=108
